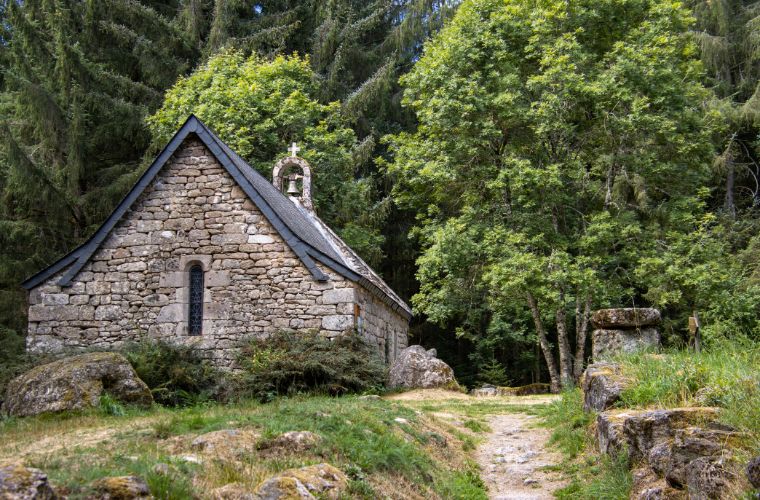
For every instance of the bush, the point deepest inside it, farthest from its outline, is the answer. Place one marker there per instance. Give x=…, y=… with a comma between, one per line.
x=176, y=375
x=291, y=363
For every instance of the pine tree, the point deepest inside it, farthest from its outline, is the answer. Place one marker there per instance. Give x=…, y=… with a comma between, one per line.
x=79, y=79
x=728, y=32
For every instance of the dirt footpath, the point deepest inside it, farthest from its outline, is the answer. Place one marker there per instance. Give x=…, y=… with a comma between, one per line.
x=514, y=456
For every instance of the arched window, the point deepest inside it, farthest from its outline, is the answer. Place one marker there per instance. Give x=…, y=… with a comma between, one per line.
x=195, y=316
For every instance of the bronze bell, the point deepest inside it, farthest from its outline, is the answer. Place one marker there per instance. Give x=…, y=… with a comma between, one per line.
x=292, y=188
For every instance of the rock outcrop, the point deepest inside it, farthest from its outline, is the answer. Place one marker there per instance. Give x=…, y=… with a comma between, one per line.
x=75, y=383
x=292, y=442
x=322, y=480
x=683, y=446
x=227, y=444
x=602, y=384
x=624, y=330
x=122, y=488
x=524, y=390
x=21, y=483
x=417, y=368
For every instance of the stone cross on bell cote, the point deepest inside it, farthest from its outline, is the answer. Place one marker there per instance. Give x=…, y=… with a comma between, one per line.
x=294, y=149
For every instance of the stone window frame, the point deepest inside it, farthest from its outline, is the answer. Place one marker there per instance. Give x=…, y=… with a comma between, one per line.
x=186, y=263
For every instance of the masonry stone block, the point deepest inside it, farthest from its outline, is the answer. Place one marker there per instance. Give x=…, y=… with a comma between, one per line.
x=338, y=295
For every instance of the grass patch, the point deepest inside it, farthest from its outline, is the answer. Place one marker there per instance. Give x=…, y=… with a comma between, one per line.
x=569, y=423
x=601, y=478
x=726, y=376
x=381, y=454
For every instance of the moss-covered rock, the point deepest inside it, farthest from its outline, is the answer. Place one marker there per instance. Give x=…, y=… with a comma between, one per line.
x=602, y=384
x=292, y=442
x=21, y=483
x=227, y=444
x=322, y=480
x=75, y=383
x=626, y=317
x=121, y=488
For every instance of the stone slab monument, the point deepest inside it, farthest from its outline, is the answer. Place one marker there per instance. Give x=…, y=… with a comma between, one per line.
x=624, y=330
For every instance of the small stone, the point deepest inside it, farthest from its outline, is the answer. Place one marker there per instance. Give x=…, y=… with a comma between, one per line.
x=400, y=420
x=371, y=397
x=530, y=482
x=192, y=459
x=161, y=469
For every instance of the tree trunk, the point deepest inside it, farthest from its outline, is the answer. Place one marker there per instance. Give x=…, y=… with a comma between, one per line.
x=541, y=331
x=730, y=181
x=565, y=354
x=581, y=329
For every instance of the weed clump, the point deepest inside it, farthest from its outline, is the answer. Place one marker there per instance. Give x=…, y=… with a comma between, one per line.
x=176, y=375
x=287, y=363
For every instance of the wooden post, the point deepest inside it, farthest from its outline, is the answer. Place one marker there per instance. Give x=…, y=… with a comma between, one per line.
x=694, y=328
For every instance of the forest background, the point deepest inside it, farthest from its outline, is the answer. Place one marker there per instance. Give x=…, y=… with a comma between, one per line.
x=508, y=166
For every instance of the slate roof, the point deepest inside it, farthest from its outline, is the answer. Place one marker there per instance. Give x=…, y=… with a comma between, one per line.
x=307, y=235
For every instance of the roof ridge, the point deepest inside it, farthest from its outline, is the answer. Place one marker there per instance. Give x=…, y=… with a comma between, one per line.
x=302, y=233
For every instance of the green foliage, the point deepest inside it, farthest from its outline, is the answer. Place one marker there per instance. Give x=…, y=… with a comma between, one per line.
x=493, y=373
x=258, y=107
x=555, y=148
x=110, y=406
x=293, y=363
x=176, y=375
x=78, y=80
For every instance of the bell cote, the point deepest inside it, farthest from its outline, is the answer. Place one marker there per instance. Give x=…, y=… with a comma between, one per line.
x=297, y=172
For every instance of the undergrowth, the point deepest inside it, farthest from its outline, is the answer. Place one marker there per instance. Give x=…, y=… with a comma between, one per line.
x=176, y=375
x=288, y=363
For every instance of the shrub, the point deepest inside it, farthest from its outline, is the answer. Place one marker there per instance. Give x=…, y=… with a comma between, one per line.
x=291, y=363
x=176, y=375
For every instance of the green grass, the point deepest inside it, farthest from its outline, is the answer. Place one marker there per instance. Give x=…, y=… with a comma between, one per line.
x=591, y=476
x=361, y=437
x=569, y=423
x=726, y=376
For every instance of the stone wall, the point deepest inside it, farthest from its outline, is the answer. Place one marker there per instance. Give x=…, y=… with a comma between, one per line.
x=382, y=326
x=136, y=283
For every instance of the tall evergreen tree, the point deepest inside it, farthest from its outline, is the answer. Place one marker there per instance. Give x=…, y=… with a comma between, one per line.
x=728, y=32
x=79, y=78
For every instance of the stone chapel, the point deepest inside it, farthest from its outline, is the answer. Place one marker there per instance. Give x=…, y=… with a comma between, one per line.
x=204, y=251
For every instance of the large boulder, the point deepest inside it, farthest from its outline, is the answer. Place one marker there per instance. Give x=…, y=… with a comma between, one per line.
x=24, y=483
x=75, y=383
x=605, y=343
x=630, y=317
x=602, y=384
x=321, y=480
x=417, y=368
